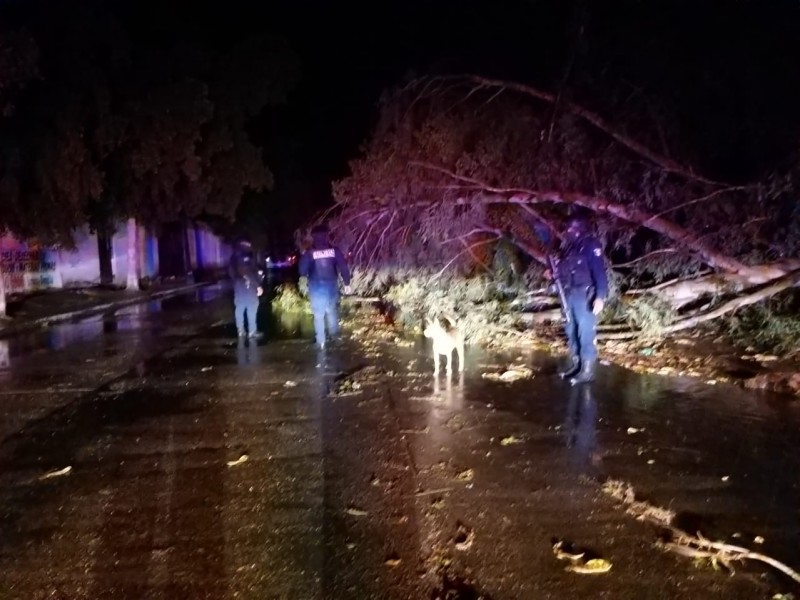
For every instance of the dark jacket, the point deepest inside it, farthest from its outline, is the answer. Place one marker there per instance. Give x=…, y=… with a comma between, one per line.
x=323, y=264
x=243, y=270
x=582, y=266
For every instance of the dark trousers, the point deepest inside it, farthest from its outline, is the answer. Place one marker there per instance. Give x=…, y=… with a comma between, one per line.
x=581, y=327
x=245, y=307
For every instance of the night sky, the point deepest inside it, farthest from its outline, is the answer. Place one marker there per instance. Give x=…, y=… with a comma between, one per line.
x=727, y=69
x=351, y=52
x=719, y=64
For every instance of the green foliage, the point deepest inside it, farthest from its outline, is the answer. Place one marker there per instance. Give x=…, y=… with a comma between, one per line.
x=649, y=315
x=482, y=311
x=289, y=299
x=772, y=326
x=508, y=268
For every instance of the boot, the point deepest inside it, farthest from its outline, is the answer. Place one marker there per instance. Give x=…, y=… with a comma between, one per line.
x=586, y=374
x=570, y=368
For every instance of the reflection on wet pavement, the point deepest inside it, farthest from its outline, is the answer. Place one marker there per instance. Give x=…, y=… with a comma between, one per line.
x=580, y=427
x=203, y=466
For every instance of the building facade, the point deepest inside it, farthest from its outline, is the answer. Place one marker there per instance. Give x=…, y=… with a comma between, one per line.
x=174, y=251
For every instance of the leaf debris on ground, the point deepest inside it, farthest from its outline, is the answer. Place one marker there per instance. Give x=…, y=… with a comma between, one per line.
x=513, y=373
x=234, y=463
x=466, y=475
x=57, y=473
x=595, y=566
x=509, y=440
x=356, y=512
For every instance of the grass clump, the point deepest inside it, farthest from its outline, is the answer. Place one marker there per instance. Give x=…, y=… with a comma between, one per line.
x=772, y=326
x=481, y=308
x=289, y=299
x=648, y=315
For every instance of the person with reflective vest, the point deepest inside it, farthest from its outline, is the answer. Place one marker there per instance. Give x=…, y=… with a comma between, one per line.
x=323, y=264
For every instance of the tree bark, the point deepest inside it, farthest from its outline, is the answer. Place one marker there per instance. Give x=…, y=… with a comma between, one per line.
x=2, y=294
x=133, y=256
x=784, y=283
x=679, y=293
x=755, y=292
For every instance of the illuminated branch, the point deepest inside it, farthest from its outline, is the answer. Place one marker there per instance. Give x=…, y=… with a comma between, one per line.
x=593, y=118
x=468, y=248
x=522, y=196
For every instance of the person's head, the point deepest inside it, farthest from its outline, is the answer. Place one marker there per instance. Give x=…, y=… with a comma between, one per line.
x=577, y=226
x=244, y=245
x=320, y=234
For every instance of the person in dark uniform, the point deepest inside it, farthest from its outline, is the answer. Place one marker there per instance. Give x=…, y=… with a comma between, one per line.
x=243, y=272
x=581, y=271
x=323, y=264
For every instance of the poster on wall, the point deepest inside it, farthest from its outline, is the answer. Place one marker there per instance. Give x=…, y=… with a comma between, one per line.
x=27, y=267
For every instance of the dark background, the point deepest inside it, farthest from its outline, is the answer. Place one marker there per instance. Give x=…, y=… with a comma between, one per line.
x=724, y=72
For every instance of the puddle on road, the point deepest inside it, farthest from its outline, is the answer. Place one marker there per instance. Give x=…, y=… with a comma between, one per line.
x=150, y=315
x=130, y=318
x=724, y=458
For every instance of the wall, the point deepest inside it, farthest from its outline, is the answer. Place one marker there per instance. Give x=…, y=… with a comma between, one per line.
x=28, y=267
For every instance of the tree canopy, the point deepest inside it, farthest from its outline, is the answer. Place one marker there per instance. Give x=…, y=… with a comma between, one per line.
x=127, y=123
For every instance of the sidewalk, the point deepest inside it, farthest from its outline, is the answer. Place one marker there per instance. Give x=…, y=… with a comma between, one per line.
x=28, y=311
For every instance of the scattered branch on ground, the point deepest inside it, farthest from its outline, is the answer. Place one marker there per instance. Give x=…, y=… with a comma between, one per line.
x=683, y=543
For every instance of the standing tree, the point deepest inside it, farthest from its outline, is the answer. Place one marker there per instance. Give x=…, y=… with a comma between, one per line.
x=156, y=125
x=18, y=59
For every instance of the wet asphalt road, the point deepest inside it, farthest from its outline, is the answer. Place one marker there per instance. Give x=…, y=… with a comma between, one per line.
x=202, y=467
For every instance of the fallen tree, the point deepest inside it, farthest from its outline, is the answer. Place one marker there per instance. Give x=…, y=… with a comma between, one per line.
x=459, y=165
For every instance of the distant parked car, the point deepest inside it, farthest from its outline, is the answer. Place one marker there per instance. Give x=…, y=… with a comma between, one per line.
x=281, y=259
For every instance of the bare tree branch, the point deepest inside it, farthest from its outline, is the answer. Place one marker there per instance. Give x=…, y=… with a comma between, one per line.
x=784, y=283
x=715, y=193
x=468, y=248
x=631, y=214
x=599, y=122
x=645, y=257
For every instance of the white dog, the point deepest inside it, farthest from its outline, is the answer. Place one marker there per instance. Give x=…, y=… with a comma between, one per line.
x=445, y=341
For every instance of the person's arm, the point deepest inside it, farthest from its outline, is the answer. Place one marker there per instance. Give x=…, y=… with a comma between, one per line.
x=232, y=268
x=597, y=266
x=305, y=264
x=342, y=267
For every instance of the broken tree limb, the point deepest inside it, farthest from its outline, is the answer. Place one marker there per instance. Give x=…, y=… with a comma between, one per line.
x=681, y=292
x=522, y=196
x=700, y=547
x=784, y=283
x=705, y=286
x=597, y=121
x=680, y=541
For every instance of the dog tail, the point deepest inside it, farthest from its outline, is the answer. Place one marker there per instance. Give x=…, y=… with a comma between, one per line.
x=451, y=319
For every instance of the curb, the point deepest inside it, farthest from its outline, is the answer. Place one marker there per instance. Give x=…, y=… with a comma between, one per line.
x=97, y=308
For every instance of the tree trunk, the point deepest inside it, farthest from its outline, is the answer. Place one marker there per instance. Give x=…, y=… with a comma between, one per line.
x=679, y=293
x=784, y=283
x=776, y=278
x=104, y=252
x=189, y=268
x=2, y=294
x=133, y=256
